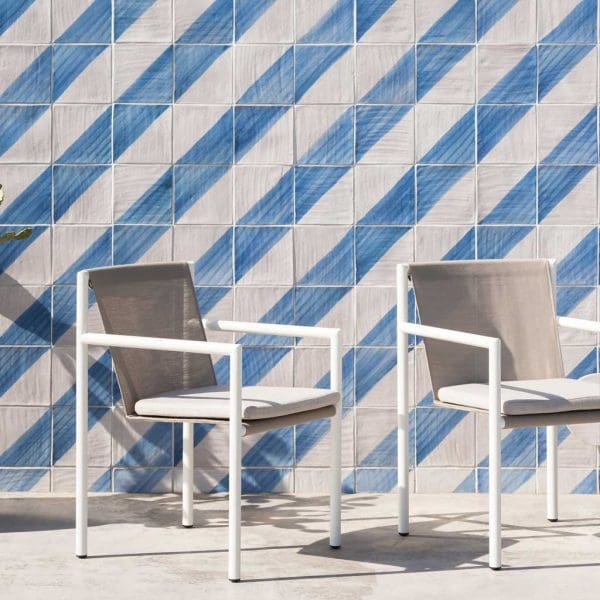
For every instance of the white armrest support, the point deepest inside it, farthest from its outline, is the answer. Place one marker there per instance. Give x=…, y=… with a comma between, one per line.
x=581, y=324
x=448, y=335
x=152, y=343
x=324, y=333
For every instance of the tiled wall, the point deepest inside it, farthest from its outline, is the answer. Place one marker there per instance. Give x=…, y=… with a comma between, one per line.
x=296, y=151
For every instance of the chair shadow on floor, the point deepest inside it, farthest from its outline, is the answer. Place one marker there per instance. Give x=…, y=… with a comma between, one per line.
x=438, y=542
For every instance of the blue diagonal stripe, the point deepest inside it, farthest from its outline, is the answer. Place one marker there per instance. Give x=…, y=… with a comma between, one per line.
x=70, y=183
x=34, y=204
x=248, y=12
x=97, y=255
x=579, y=146
x=433, y=183
x=251, y=124
x=518, y=205
x=397, y=206
x=312, y=62
x=579, y=266
x=191, y=62
x=252, y=243
x=191, y=183
x=371, y=245
x=127, y=12
x=556, y=62
x=131, y=242
x=15, y=121
x=434, y=62
x=10, y=11
x=578, y=26
x=368, y=12
x=275, y=85
x=335, y=268
x=397, y=85
x=213, y=26
x=130, y=122
x=497, y=242
x=335, y=146
x=455, y=25
x=518, y=85
x=555, y=183
x=154, y=205
x=276, y=206
x=373, y=122
x=335, y=26
x=312, y=183
x=93, y=25
x=33, y=84
x=494, y=122
x=215, y=146
x=93, y=145
x=489, y=12
x=70, y=62
x=457, y=145
x=155, y=83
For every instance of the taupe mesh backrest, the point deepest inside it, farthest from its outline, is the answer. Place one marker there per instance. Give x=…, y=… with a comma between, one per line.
x=509, y=299
x=155, y=300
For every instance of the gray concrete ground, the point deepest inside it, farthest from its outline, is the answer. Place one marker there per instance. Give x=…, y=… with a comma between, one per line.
x=138, y=550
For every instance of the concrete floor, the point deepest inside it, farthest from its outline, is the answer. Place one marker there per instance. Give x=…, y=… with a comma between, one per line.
x=138, y=550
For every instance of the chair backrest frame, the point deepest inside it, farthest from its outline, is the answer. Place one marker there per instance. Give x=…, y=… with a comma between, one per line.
x=513, y=300
x=152, y=300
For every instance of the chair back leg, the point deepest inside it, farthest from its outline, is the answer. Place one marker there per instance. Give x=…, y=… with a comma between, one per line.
x=552, y=473
x=187, y=476
x=495, y=458
x=403, y=410
x=335, y=496
x=235, y=464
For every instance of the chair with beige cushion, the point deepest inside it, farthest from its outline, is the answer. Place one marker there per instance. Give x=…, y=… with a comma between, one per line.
x=165, y=372
x=491, y=340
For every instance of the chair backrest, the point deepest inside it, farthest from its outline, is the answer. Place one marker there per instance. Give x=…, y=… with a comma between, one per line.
x=154, y=300
x=509, y=299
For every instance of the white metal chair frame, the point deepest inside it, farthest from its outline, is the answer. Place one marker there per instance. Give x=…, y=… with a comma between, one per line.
x=234, y=352
x=496, y=420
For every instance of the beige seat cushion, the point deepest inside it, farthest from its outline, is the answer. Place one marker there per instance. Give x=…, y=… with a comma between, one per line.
x=258, y=402
x=536, y=396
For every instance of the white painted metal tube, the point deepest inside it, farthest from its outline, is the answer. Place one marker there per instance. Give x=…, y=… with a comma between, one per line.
x=552, y=472
x=580, y=324
x=81, y=424
x=235, y=463
x=324, y=333
x=149, y=343
x=335, y=497
x=403, y=414
x=448, y=335
x=187, y=476
x=495, y=458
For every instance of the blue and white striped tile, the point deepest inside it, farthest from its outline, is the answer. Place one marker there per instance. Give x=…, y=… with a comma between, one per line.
x=506, y=241
x=582, y=303
x=26, y=22
x=142, y=133
x=82, y=73
x=376, y=375
x=568, y=74
x=264, y=135
x=25, y=73
x=373, y=425
x=83, y=194
x=324, y=74
x=25, y=376
x=497, y=25
x=445, y=195
x=385, y=134
x=143, y=21
x=82, y=21
x=16, y=449
x=264, y=74
x=30, y=262
x=25, y=134
x=324, y=21
x=25, y=319
x=203, y=73
x=143, y=73
x=72, y=140
x=445, y=134
x=444, y=243
x=379, y=250
x=567, y=21
x=445, y=21
x=385, y=21
x=204, y=21
x=142, y=244
x=263, y=255
x=27, y=194
x=323, y=195
x=324, y=135
x=269, y=21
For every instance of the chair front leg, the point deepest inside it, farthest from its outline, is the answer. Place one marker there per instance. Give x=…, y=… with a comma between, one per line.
x=187, y=476
x=235, y=463
x=81, y=424
x=552, y=473
x=335, y=498
x=495, y=458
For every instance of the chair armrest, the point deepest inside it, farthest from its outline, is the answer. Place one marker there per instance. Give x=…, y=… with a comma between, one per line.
x=324, y=333
x=152, y=343
x=448, y=335
x=581, y=324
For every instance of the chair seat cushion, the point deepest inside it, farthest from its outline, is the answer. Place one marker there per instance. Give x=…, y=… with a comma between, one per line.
x=536, y=396
x=258, y=402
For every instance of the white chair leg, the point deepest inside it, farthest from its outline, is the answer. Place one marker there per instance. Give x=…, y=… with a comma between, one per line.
x=552, y=473
x=335, y=494
x=235, y=466
x=495, y=460
x=81, y=422
x=403, y=417
x=187, y=479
